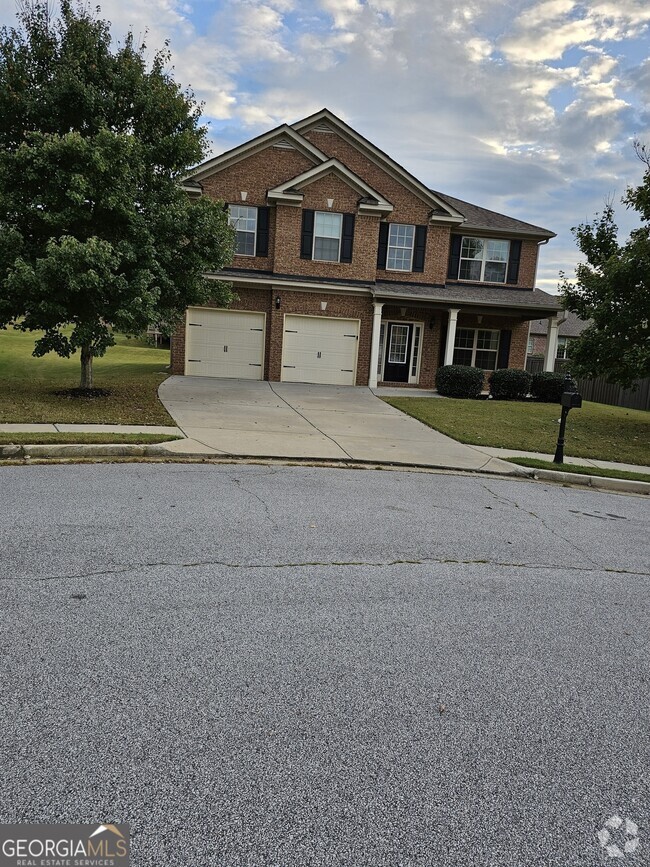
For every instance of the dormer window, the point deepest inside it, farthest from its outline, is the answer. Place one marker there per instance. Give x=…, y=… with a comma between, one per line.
x=484, y=260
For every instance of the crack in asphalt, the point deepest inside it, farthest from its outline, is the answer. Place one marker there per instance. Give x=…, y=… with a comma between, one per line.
x=553, y=530
x=443, y=561
x=267, y=509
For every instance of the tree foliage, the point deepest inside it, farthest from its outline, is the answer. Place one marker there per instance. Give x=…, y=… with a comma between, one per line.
x=612, y=289
x=96, y=233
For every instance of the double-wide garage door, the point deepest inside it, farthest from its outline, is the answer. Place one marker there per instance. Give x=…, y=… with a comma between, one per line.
x=226, y=343
x=319, y=349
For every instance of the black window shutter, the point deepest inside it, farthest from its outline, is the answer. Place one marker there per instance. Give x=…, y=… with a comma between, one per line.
x=420, y=248
x=454, y=257
x=307, y=234
x=262, y=243
x=504, y=349
x=513, y=262
x=347, y=237
x=382, y=252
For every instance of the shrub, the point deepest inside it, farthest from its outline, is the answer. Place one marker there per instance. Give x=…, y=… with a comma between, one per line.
x=510, y=384
x=456, y=380
x=547, y=386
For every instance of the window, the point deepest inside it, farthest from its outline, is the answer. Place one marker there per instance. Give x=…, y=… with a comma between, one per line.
x=531, y=345
x=484, y=259
x=244, y=221
x=327, y=236
x=475, y=347
x=563, y=346
x=400, y=247
x=399, y=338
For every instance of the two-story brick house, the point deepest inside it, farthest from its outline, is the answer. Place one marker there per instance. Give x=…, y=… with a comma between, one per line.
x=350, y=271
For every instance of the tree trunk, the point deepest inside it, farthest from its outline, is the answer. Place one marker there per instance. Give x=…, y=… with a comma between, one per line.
x=86, y=367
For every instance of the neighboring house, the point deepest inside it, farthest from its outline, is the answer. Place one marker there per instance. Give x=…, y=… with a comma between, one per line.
x=350, y=271
x=568, y=330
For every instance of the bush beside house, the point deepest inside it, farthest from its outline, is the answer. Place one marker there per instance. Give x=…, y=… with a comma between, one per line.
x=510, y=384
x=457, y=380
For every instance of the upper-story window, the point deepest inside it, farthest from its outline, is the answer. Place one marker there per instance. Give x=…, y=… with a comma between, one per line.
x=484, y=259
x=244, y=221
x=401, y=247
x=327, y=236
x=251, y=225
x=401, y=239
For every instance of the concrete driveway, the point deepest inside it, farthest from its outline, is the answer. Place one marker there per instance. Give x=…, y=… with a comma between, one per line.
x=296, y=420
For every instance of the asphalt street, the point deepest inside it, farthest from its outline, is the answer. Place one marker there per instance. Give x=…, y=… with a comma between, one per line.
x=293, y=666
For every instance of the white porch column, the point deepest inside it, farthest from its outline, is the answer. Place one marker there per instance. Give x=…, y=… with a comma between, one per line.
x=374, y=345
x=451, y=334
x=551, y=343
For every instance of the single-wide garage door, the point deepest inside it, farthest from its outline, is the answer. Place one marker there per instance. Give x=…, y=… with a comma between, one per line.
x=226, y=343
x=320, y=349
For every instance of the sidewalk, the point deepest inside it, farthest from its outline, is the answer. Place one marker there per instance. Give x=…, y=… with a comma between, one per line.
x=187, y=445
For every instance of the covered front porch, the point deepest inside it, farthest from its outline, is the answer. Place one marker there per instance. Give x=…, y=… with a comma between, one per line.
x=413, y=336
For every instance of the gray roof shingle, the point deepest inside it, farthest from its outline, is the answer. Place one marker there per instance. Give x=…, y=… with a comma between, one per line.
x=482, y=218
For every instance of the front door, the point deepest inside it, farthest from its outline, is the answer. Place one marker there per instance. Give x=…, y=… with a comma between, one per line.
x=398, y=352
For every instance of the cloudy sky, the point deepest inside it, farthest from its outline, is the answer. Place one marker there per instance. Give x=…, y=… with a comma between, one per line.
x=526, y=107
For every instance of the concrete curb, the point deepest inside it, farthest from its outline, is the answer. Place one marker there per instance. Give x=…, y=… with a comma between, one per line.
x=627, y=486
x=88, y=451
x=70, y=450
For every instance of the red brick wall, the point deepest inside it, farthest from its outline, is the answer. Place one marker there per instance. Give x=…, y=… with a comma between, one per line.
x=255, y=175
x=306, y=303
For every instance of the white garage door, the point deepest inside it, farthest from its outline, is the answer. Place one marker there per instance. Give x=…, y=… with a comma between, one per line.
x=320, y=349
x=226, y=343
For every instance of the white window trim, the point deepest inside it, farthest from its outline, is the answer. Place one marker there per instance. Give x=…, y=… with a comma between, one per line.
x=474, y=349
x=327, y=238
x=565, y=345
x=412, y=380
x=245, y=231
x=483, y=260
x=394, y=246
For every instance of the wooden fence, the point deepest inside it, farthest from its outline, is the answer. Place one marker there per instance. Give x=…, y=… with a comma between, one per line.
x=599, y=390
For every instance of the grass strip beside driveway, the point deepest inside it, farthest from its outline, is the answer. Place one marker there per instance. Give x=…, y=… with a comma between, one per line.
x=132, y=370
x=598, y=431
x=46, y=439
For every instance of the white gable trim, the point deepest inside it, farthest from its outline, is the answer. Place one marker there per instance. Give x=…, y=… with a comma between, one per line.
x=283, y=135
x=287, y=192
x=383, y=161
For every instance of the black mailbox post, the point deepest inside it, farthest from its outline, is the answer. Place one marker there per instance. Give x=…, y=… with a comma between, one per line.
x=570, y=400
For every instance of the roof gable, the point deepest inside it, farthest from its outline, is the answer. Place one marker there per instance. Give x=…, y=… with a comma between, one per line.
x=325, y=121
x=282, y=137
x=371, y=201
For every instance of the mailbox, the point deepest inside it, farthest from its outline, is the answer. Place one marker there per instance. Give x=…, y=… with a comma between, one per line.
x=571, y=400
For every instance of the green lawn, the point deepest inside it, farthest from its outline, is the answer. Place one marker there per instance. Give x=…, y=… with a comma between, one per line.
x=580, y=469
x=46, y=439
x=607, y=433
x=132, y=370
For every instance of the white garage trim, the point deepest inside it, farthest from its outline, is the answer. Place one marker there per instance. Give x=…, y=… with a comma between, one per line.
x=225, y=343
x=320, y=349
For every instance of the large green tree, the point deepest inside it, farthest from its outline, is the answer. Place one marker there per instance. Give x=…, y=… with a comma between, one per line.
x=612, y=289
x=96, y=233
